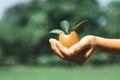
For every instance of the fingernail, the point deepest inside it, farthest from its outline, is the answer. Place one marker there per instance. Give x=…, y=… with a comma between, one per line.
x=50, y=40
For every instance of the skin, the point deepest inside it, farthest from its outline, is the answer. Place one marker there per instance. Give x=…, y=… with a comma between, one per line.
x=86, y=47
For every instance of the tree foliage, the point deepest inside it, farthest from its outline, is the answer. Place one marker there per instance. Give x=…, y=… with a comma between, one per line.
x=24, y=31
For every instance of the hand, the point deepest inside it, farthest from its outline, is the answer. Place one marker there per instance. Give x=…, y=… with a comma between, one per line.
x=78, y=53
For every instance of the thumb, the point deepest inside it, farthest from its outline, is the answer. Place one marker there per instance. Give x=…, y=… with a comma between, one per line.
x=89, y=53
x=78, y=47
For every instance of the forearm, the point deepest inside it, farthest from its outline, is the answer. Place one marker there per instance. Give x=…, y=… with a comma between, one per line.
x=108, y=45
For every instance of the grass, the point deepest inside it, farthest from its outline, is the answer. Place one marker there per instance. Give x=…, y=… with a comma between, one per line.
x=60, y=73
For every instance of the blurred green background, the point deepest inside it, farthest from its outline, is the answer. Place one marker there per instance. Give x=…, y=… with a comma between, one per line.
x=25, y=53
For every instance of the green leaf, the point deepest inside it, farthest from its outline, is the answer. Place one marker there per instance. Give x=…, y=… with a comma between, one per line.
x=65, y=25
x=78, y=24
x=57, y=31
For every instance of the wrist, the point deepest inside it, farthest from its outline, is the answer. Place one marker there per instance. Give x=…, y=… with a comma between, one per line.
x=95, y=43
x=101, y=44
x=93, y=40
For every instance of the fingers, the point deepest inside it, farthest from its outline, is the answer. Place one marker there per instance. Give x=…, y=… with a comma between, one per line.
x=68, y=56
x=54, y=47
x=59, y=49
x=65, y=54
x=63, y=49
